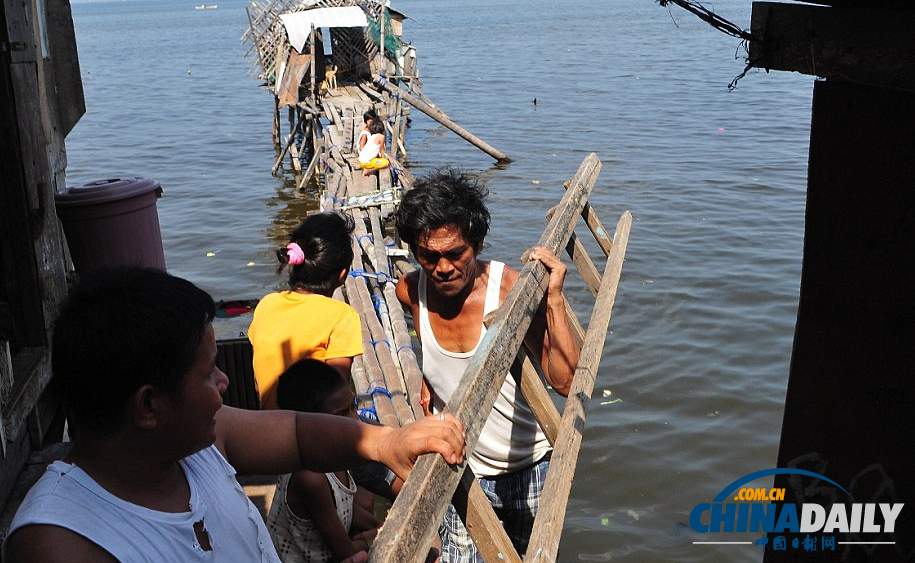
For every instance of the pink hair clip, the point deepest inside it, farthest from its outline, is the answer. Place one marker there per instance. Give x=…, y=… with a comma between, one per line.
x=294, y=253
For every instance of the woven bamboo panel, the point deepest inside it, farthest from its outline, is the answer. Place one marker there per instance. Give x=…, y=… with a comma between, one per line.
x=353, y=48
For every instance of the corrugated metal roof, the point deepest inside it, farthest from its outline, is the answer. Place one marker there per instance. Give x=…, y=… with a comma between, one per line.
x=298, y=24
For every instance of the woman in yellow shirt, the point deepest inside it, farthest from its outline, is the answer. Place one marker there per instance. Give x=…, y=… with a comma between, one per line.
x=305, y=321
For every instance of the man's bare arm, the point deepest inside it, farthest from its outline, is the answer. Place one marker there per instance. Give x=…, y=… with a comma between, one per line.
x=274, y=442
x=550, y=336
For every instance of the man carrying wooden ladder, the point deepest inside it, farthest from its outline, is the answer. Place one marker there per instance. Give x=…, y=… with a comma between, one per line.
x=444, y=220
x=413, y=520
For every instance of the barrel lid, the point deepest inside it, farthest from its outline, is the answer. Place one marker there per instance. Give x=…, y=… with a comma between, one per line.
x=109, y=189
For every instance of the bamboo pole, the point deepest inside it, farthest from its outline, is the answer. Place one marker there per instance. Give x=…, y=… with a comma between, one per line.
x=357, y=293
x=380, y=326
x=437, y=115
x=432, y=483
x=544, y=544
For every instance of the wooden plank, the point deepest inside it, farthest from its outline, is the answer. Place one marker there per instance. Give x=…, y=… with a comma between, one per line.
x=579, y=255
x=349, y=128
x=333, y=113
x=15, y=457
x=868, y=46
x=32, y=373
x=68, y=86
x=544, y=545
x=432, y=483
x=863, y=3
x=24, y=172
x=290, y=141
x=536, y=395
x=597, y=229
x=589, y=274
x=481, y=522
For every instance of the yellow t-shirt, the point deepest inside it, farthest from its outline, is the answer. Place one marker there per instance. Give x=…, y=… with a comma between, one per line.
x=289, y=326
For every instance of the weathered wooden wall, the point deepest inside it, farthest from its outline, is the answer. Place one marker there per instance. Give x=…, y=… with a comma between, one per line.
x=41, y=100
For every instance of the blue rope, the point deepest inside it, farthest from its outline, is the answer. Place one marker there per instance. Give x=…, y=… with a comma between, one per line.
x=377, y=302
x=380, y=276
x=368, y=236
x=382, y=341
x=409, y=346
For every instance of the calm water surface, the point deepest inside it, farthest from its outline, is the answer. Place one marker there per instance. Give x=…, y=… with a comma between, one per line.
x=702, y=328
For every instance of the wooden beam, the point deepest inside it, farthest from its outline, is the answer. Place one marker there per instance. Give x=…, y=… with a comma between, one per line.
x=536, y=395
x=544, y=544
x=481, y=522
x=68, y=87
x=872, y=46
x=426, y=493
x=862, y=3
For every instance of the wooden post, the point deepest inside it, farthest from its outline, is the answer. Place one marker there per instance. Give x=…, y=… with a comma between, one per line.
x=313, y=90
x=432, y=483
x=440, y=117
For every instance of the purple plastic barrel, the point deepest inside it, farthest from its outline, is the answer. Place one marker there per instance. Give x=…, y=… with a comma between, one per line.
x=112, y=222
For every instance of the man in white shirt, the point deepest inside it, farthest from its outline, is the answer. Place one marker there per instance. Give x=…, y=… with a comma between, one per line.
x=444, y=220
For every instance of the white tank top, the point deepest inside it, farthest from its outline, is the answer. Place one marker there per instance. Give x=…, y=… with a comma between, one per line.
x=297, y=539
x=66, y=496
x=371, y=149
x=511, y=439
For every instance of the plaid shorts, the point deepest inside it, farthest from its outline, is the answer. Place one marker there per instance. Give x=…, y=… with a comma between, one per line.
x=514, y=497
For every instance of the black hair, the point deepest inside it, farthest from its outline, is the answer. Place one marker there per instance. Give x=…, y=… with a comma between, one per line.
x=444, y=197
x=377, y=127
x=120, y=329
x=306, y=384
x=370, y=114
x=325, y=240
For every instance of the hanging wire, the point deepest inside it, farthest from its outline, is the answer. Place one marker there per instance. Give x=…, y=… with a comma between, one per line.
x=721, y=25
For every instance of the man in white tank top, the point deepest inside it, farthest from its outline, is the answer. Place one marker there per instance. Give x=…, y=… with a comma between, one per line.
x=444, y=220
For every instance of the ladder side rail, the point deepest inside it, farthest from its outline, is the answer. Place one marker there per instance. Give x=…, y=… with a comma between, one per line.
x=547, y=530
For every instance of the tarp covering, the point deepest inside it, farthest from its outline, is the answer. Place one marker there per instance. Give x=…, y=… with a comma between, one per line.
x=298, y=24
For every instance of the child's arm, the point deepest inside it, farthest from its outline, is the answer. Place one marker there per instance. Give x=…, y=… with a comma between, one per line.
x=363, y=519
x=342, y=365
x=309, y=496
